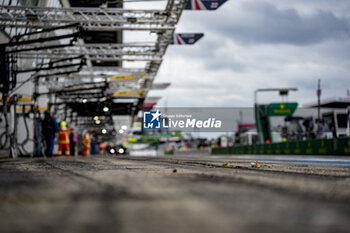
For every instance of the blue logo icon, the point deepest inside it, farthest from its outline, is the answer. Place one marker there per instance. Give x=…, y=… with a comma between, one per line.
x=151, y=120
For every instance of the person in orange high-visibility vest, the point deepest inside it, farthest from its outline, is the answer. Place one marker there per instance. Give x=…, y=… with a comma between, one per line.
x=63, y=139
x=86, y=142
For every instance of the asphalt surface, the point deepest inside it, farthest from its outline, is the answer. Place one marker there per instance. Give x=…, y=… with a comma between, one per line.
x=172, y=194
x=343, y=161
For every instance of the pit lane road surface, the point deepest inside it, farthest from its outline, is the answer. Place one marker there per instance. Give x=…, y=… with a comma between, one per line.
x=171, y=194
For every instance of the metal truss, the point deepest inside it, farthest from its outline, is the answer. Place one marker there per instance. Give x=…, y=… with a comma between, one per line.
x=96, y=74
x=97, y=93
x=91, y=123
x=89, y=82
x=90, y=18
x=108, y=86
x=99, y=49
x=100, y=73
x=98, y=57
x=107, y=71
x=160, y=21
x=92, y=96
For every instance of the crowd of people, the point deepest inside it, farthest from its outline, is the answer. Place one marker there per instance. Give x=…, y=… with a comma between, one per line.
x=68, y=140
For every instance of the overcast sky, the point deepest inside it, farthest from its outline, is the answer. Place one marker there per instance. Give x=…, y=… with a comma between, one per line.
x=251, y=44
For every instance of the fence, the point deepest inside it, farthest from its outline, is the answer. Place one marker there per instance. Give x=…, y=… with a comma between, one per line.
x=340, y=146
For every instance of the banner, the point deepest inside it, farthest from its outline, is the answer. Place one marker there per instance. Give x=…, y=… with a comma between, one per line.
x=204, y=4
x=186, y=38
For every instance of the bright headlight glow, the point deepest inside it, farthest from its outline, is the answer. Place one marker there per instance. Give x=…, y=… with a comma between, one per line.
x=121, y=151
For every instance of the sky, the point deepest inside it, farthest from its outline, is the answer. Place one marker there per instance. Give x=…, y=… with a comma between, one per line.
x=251, y=44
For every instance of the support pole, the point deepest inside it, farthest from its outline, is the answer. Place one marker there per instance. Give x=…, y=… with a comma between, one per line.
x=319, y=100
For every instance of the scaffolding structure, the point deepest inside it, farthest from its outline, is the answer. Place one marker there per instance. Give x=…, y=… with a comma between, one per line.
x=47, y=43
x=159, y=22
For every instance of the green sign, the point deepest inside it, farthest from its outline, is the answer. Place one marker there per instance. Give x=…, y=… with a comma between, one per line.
x=281, y=109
